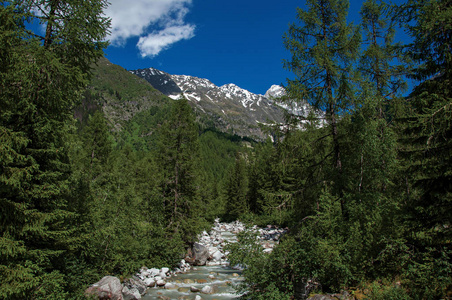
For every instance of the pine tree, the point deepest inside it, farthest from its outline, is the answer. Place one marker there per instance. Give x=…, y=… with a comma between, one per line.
x=323, y=49
x=426, y=147
x=381, y=82
x=97, y=142
x=237, y=188
x=276, y=178
x=178, y=158
x=427, y=134
x=369, y=143
x=381, y=58
x=258, y=175
x=100, y=187
x=41, y=79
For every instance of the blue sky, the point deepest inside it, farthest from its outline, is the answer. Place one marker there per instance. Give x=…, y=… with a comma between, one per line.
x=233, y=41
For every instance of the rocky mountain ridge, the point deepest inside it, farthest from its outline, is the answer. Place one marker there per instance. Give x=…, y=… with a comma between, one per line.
x=295, y=108
x=231, y=108
x=274, y=92
x=228, y=108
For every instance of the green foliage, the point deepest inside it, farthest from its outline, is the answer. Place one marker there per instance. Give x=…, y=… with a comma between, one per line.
x=324, y=49
x=378, y=59
x=178, y=158
x=370, y=191
x=74, y=207
x=384, y=291
x=325, y=255
x=425, y=142
x=321, y=47
x=121, y=215
x=41, y=81
x=236, y=188
x=96, y=139
x=265, y=276
x=113, y=83
x=141, y=132
x=366, y=194
x=317, y=253
x=426, y=122
x=217, y=157
x=88, y=106
x=218, y=152
x=429, y=275
x=275, y=184
x=122, y=96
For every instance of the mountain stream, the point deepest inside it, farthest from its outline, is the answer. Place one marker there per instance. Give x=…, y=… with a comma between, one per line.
x=189, y=285
x=216, y=279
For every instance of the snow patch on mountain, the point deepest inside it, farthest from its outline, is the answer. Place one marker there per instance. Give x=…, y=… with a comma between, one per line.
x=228, y=106
x=275, y=92
x=191, y=82
x=246, y=97
x=197, y=89
x=175, y=97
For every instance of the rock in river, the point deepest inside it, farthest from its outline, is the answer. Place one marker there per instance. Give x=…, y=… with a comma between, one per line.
x=108, y=286
x=200, y=253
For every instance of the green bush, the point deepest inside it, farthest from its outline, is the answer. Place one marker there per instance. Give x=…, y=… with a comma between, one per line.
x=382, y=291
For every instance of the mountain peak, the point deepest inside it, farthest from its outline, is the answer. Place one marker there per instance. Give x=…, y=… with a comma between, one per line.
x=229, y=106
x=246, y=98
x=159, y=78
x=156, y=72
x=275, y=91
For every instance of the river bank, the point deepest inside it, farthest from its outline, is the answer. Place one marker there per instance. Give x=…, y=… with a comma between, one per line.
x=203, y=274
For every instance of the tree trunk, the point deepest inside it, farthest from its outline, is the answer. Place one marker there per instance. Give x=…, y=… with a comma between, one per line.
x=51, y=19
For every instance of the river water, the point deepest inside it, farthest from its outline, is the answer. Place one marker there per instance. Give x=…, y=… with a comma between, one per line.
x=222, y=279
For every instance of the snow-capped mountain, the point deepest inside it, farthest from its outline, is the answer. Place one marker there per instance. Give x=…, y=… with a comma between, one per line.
x=296, y=108
x=227, y=108
x=245, y=97
x=275, y=92
x=230, y=107
x=159, y=78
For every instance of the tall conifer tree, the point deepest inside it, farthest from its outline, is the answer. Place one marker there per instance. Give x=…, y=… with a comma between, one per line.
x=178, y=157
x=381, y=58
x=427, y=136
x=237, y=188
x=323, y=48
x=426, y=146
x=41, y=79
x=382, y=82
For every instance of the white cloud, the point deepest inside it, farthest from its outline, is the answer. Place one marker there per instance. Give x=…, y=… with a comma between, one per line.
x=164, y=19
x=153, y=43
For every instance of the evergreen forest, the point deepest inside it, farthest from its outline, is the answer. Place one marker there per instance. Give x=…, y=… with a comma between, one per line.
x=364, y=187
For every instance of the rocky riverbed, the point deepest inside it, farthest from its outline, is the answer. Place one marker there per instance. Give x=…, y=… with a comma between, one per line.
x=203, y=274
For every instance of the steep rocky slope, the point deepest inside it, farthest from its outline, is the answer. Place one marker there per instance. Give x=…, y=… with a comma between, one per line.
x=118, y=93
x=229, y=107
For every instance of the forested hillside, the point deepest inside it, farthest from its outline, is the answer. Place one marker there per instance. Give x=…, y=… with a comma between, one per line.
x=101, y=193
x=367, y=197
x=102, y=174
x=119, y=95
